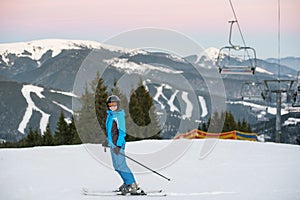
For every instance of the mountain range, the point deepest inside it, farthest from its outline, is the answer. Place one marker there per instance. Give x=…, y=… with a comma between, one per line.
x=38, y=80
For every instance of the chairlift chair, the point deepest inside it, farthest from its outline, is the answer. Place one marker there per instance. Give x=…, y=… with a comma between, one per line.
x=252, y=91
x=235, y=59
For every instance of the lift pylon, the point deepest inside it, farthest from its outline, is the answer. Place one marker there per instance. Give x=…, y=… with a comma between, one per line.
x=296, y=93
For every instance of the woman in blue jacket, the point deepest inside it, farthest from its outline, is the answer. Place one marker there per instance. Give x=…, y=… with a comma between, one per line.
x=116, y=132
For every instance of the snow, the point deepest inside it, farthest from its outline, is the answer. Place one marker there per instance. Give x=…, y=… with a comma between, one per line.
x=291, y=121
x=63, y=107
x=187, y=113
x=233, y=170
x=141, y=68
x=37, y=48
x=65, y=93
x=261, y=70
x=210, y=53
x=170, y=102
x=203, y=106
x=159, y=92
x=26, y=91
x=269, y=109
x=189, y=106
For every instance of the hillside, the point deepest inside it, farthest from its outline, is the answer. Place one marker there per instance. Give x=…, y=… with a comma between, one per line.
x=233, y=170
x=185, y=91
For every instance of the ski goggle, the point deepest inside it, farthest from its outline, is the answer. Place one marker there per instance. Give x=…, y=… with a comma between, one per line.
x=111, y=104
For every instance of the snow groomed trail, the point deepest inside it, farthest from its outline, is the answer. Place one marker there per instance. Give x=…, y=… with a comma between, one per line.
x=233, y=170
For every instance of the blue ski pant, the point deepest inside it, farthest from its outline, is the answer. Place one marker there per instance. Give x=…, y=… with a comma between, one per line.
x=120, y=166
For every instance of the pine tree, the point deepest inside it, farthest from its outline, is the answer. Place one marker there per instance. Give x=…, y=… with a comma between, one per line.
x=33, y=138
x=144, y=123
x=101, y=96
x=298, y=140
x=215, y=123
x=47, y=137
x=249, y=129
x=136, y=111
x=244, y=126
x=72, y=129
x=229, y=122
x=202, y=127
x=239, y=125
x=62, y=135
x=90, y=120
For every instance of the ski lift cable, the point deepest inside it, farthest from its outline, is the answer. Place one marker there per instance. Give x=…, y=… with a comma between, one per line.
x=243, y=39
x=278, y=43
x=239, y=27
x=278, y=38
x=236, y=20
x=251, y=56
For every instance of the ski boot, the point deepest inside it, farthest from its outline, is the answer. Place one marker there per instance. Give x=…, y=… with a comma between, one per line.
x=132, y=189
x=121, y=188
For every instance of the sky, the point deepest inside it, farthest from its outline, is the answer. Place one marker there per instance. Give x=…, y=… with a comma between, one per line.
x=205, y=22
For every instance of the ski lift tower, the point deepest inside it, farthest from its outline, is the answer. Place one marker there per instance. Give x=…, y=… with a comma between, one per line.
x=277, y=87
x=296, y=93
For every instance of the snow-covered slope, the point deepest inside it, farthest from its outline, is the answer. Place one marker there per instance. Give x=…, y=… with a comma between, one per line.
x=233, y=170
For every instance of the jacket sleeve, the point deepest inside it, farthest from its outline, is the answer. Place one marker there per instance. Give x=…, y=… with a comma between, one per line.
x=115, y=133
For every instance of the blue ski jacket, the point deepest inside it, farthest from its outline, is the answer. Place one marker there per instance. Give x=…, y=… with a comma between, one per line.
x=119, y=118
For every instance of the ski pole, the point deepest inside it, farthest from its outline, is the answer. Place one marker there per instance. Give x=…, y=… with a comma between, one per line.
x=145, y=166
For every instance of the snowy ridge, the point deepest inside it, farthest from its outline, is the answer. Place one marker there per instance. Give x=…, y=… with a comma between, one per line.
x=132, y=67
x=225, y=174
x=37, y=48
x=210, y=54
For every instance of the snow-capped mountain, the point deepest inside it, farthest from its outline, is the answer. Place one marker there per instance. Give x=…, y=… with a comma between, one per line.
x=36, y=49
x=37, y=80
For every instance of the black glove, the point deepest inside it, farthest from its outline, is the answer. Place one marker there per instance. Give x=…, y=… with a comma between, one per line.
x=116, y=150
x=105, y=144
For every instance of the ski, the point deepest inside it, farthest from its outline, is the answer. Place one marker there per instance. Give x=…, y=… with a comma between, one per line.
x=87, y=192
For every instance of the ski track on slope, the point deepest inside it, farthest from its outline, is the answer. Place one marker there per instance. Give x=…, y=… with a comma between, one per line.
x=185, y=98
x=203, y=106
x=189, y=106
x=63, y=107
x=171, y=102
x=65, y=93
x=26, y=91
x=158, y=94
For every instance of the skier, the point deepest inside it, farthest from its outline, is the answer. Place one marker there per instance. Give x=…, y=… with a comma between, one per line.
x=116, y=132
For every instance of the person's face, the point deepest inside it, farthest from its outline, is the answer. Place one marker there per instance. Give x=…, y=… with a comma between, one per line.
x=113, y=106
